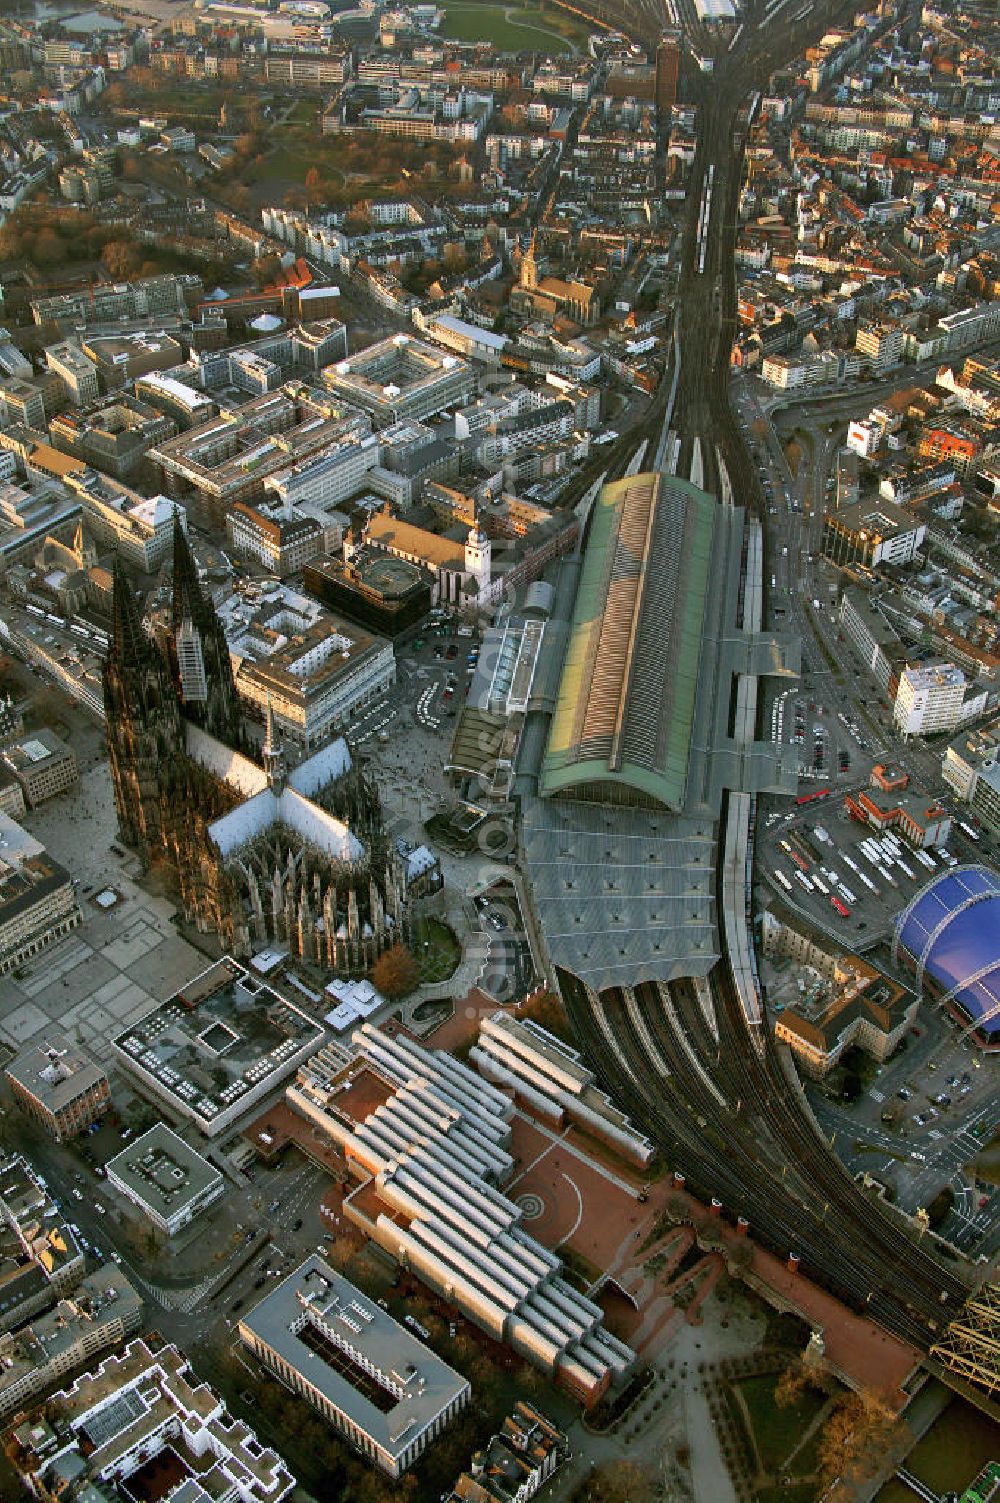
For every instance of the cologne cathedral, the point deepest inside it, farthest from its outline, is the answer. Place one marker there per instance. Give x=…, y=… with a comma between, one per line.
x=263, y=856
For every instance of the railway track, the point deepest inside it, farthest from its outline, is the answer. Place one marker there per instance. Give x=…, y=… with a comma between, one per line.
x=761, y=1153
x=717, y=1101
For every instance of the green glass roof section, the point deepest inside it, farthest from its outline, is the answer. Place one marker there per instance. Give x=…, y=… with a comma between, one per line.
x=629, y=685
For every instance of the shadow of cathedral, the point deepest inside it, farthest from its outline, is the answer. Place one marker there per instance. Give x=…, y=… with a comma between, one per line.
x=263, y=857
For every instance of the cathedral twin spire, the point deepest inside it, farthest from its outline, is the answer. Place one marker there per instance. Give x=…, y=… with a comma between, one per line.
x=198, y=650
x=311, y=885
x=130, y=643
x=145, y=689
x=188, y=602
x=272, y=752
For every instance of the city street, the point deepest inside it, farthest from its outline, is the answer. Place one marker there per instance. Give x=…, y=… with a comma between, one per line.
x=275, y=1216
x=836, y=716
x=510, y=968
x=927, y=1145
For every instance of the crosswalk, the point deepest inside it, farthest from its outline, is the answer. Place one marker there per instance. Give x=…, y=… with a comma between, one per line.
x=183, y=1301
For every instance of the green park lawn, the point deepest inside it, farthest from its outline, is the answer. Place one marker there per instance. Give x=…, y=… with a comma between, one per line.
x=283, y=164
x=525, y=31
x=435, y=948
x=776, y=1431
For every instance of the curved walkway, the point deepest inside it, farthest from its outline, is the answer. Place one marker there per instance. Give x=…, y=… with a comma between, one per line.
x=511, y=14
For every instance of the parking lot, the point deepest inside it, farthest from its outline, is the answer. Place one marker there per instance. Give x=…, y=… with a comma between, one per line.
x=509, y=969
x=922, y=1121
x=433, y=671
x=848, y=880
x=829, y=748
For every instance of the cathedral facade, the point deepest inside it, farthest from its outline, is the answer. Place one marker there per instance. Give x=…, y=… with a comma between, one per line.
x=262, y=856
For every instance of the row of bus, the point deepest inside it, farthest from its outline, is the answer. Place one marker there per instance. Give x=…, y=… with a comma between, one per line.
x=887, y=854
x=883, y=853
x=824, y=879
x=817, y=883
x=887, y=857
x=78, y=626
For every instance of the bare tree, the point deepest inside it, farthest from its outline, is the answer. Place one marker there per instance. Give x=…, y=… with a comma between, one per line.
x=860, y=1433
x=396, y=972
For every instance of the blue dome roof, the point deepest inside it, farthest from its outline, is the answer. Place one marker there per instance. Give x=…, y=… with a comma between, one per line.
x=952, y=932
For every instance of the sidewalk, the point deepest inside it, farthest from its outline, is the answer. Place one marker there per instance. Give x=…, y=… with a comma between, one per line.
x=709, y=1475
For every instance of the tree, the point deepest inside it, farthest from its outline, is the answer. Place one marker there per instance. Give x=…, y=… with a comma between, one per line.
x=314, y=183
x=396, y=972
x=677, y=1206
x=791, y=1385
x=454, y=258
x=120, y=258
x=856, y=1439
x=11, y=243
x=340, y=1251
x=265, y=269
x=546, y=1009
x=739, y=1255
x=357, y=222
x=619, y=1482
x=49, y=248
x=710, y=1238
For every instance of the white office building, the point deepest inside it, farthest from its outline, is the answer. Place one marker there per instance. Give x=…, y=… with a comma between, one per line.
x=168, y=1181
x=329, y=477
x=117, y=1418
x=932, y=698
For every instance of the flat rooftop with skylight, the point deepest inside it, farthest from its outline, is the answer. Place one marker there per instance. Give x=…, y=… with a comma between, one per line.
x=217, y=1047
x=381, y=1388
x=168, y=1181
